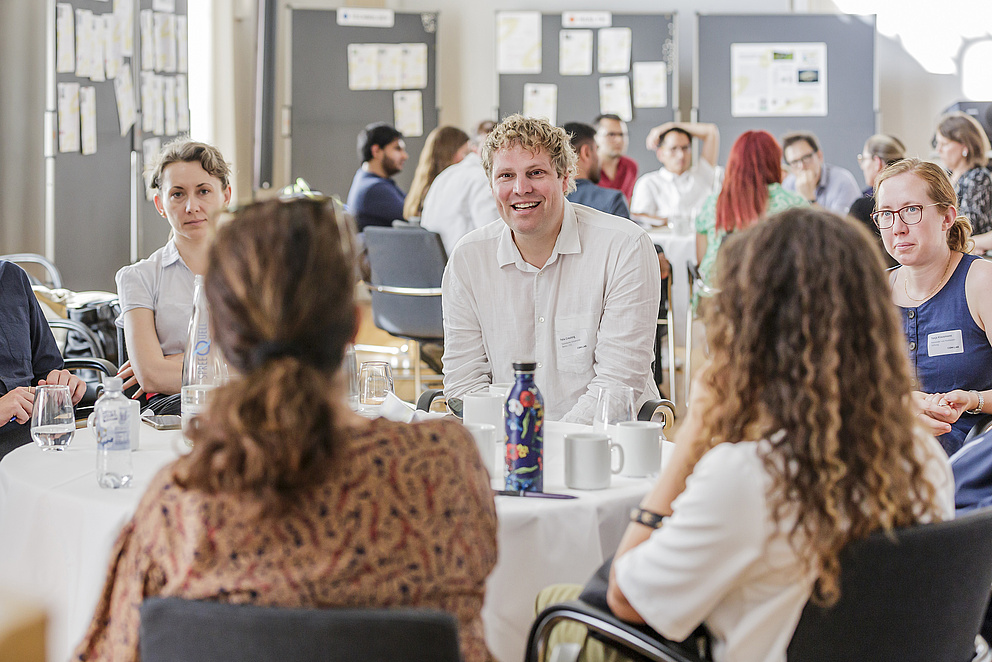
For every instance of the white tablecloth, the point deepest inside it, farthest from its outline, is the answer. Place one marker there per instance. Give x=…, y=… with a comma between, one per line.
x=57, y=527
x=680, y=249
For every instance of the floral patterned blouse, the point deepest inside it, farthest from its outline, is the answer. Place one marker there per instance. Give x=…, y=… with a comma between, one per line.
x=408, y=520
x=778, y=200
x=974, y=190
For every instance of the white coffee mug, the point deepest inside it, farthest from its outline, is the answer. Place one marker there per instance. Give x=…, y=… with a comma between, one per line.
x=502, y=389
x=641, y=443
x=587, y=460
x=485, y=440
x=483, y=407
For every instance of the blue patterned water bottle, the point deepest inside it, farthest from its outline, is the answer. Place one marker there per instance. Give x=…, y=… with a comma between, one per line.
x=524, y=432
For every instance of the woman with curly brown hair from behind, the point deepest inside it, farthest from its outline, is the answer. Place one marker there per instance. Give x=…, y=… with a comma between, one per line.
x=288, y=498
x=800, y=438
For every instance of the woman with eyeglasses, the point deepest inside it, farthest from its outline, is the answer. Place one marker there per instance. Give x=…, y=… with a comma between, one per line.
x=943, y=293
x=288, y=498
x=963, y=147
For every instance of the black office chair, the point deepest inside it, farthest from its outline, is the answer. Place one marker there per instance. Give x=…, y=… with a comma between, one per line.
x=917, y=596
x=665, y=329
x=406, y=266
x=174, y=630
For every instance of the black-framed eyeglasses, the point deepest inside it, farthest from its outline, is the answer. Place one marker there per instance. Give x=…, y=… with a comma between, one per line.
x=804, y=160
x=910, y=215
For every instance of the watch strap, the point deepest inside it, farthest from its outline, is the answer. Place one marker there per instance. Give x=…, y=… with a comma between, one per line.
x=647, y=518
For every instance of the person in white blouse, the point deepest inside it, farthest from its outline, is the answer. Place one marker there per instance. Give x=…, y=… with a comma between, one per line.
x=678, y=188
x=191, y=181
x=569, y=287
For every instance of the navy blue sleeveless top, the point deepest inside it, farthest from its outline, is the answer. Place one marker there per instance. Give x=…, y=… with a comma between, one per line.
x=948, y=349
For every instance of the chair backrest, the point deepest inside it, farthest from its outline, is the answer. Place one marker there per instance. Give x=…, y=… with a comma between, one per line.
x=412, y=260
x=918, y=595
x=52, y=275
x=174, y=629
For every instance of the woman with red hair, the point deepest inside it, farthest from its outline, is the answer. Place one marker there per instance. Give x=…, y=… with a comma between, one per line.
x=751, y=191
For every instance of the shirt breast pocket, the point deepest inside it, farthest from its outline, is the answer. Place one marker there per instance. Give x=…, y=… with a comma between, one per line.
x=575, y=341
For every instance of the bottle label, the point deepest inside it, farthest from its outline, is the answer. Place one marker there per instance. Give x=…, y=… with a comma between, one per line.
x=525, y=438
x=112, y=429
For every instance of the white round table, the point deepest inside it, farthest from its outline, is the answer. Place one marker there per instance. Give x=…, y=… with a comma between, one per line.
x=57, y=527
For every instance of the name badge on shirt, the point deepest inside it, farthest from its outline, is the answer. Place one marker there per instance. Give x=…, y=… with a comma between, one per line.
x=573, y=343
x=945, y=342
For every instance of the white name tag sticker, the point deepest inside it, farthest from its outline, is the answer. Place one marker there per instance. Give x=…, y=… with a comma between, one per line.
x=573, y=343
x=944, y=343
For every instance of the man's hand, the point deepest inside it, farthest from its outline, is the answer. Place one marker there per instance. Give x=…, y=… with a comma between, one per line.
x=17, y=405
x=806, y=181
x=77, y=387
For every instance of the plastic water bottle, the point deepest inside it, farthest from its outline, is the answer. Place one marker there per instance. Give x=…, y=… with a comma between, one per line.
x=116, y=424
x=524, y=432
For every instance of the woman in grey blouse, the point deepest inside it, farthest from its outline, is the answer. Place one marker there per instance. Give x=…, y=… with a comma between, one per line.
x=191, y=183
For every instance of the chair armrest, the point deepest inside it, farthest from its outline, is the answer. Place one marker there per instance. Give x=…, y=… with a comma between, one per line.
x=91, y=363
x=75, y=326
x=982, y=425
x=427, y=397
x=650, y=407
x=625, y=636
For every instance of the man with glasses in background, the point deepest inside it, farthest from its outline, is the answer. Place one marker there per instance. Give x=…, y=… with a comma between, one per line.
x=616, y=171
x=829, y=186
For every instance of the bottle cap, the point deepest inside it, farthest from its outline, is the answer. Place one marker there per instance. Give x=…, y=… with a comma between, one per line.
x=113, y=383
x=528, y=366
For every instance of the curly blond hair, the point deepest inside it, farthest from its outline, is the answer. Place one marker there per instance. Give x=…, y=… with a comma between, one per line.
x=807, y=352
x=533, y=135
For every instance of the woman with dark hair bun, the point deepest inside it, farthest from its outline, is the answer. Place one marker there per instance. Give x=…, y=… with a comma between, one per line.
x=288, y=498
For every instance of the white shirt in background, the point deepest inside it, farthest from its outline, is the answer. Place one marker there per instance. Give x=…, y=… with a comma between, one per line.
x=587, y=318
x=661, y=193
x=459, y=201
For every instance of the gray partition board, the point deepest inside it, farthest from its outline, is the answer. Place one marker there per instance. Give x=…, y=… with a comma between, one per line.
x=851, y=80
x=652, y=40
x=92, y=194
x=326, y=115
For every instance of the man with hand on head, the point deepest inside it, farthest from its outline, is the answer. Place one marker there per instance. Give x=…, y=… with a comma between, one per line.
x=569, y=287
x=587, y=172
x=617, y=171
x=28, y=357
x=678, y=188
x=829, y=186
x=374, y=198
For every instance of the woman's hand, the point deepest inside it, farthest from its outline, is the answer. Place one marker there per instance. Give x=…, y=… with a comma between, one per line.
x=934, y=413
x=959, y=401
x=16, y=405
x=126, y=373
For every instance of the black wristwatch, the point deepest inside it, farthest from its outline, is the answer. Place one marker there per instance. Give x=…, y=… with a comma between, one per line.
x=647, y=518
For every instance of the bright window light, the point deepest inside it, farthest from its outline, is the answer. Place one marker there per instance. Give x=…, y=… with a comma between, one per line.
x=976, y=83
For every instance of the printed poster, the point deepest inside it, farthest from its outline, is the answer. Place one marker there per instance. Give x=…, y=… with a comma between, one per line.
x=575, y=52
x=408, y=110
x=518, y=42
x=614, y=97
x=784, y=80
x=541, y=100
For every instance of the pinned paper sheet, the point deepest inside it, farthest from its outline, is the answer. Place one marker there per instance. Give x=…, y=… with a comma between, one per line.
x=518, y=42
x=147, y=41
x=408, y=110
x=650, y=84
x=182, y=45
x=541, y=100
x=124, y=10
x=389, y=66
x=68, y=111
x=614, y=97
x=65, y=39
x=164, y=26
x=124, y=92
x=182, y=103
x=164, y=5
x=87, y=118
x=414, y=60
x=778, y=79
x=613, y=56
x=150, y=148
x=575, y=52
x=112, y=46
x=96, y=46
x=169, y=101
x=363, y=72
x=158, y=91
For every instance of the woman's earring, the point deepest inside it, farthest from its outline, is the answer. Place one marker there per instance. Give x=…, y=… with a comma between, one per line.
x=964, y=153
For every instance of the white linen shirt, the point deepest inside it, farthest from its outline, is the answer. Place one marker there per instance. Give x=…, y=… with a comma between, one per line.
x=662, y=193
x=587, y=318
x=721, y=559
x=164, y=284
x=460, y=200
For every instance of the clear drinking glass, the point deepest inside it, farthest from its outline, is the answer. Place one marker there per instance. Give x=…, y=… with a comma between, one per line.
x=375, y=380
x=52, y=420
x=615, y=404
